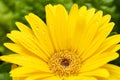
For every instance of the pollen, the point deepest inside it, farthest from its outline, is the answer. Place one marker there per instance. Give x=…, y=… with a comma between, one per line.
x=65, y=63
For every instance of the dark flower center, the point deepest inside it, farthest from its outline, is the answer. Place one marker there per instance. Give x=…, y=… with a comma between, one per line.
x=65, y=62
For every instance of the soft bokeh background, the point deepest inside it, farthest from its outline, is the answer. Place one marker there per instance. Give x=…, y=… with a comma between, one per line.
x=15, y=10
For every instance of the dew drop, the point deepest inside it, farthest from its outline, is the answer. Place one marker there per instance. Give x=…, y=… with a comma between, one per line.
x=37, y=28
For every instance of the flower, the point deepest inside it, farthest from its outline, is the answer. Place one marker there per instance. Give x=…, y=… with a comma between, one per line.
x=72, y=46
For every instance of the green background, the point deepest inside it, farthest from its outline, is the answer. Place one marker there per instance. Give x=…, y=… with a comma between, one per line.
x=15, y=10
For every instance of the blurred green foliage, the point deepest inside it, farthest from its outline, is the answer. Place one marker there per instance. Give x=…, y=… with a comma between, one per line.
x=15, y=10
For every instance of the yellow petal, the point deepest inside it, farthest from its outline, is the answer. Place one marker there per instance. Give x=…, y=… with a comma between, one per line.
x=116, y=48
x=110, y=41
x=19, y=49
x=29, y=72
x=72, y=23
x=52, y=78
x=61, y=28
x=29, y=42
x=39, y=77
x=105, y=20
x=90, y=14
x=18, y=78
x=113, y=48
x=12, y=38
x=114, y=71
x=26, y=61
x=57, y=19
x=101, y=72
x=23, y=28
x=26, y=71
x=89, y=31
x=80, y=78
x=80, y=26
x=50, y=12
x=41, y=32
x=57, y=22
x=98, y=60
x=97, y=41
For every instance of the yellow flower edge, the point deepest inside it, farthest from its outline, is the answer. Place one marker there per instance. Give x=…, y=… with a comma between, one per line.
x=70, y=46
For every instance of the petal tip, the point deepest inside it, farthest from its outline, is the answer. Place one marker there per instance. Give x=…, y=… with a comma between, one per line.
x=84, y=7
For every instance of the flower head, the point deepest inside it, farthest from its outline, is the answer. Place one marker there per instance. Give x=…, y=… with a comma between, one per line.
x=70, y=46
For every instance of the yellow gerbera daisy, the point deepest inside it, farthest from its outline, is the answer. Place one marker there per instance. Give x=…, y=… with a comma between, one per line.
x=72, y=46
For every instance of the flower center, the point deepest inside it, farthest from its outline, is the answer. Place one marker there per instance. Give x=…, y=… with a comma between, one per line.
x=64, y=63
